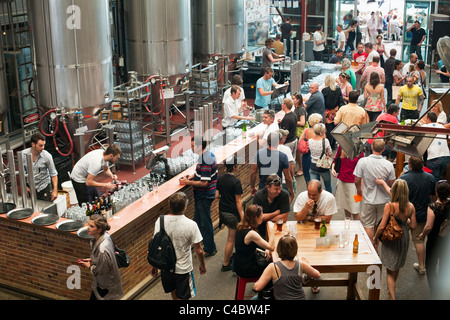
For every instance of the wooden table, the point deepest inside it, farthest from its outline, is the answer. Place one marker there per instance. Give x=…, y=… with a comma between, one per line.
x=334, y=259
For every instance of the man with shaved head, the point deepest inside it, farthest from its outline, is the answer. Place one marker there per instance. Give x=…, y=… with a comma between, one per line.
x=314, y=202
x=375, y=197
x=316, y=102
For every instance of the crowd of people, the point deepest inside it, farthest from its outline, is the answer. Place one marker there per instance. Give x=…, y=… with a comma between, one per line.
x=294, y=146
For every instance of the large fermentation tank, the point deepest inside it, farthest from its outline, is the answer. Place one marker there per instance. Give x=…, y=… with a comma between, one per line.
x=159, y=40
x=72, y=56
x=4, y=99
x=218, y=28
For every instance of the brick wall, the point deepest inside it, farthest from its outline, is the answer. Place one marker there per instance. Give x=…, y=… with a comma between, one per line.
x=35, y=259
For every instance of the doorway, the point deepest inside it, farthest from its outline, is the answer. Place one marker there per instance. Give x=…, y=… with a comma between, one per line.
x=393, y=13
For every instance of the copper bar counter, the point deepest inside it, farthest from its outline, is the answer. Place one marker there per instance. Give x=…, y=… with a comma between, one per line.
x=42, y=260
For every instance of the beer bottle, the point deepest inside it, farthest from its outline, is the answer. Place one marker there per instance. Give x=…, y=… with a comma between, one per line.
x=323, y=229
x=355, y=244
x=244, y=131
x=109, y=207
x=88, y=211
x=403, y=120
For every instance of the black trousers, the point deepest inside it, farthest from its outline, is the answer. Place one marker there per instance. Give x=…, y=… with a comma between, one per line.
x=84, y=193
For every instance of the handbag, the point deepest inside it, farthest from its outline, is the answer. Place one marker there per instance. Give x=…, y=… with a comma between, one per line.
x=303, y=145
x=444, y=229
x=260, y=256
x=325, y=161
x=393, y=230
x=337, y=164
x=122, y=258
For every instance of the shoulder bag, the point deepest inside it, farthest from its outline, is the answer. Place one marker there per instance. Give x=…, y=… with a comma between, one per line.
x=325, y=161
x=444, y=229
x=122, y=258
x=393, y=231
x=303, y=145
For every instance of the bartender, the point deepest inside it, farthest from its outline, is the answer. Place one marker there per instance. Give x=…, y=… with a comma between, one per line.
x=45, y=174
x=89, y=167
x=232, y=108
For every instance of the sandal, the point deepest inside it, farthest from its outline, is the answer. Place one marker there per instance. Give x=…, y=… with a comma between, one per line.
x=315, y=290
x=299, y=173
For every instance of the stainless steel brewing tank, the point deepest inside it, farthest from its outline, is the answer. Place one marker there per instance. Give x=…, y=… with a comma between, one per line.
x=72, y=56
x=159, y=41
x=73, y=53
x=218, y=27
x=159, y=37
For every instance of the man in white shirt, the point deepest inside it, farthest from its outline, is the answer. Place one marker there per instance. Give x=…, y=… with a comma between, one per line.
x=314, y=202
x=370, y=54
x=88, y=167
x=184, y=233
x=372, y=25
x=236, y=80
x=438, y=152
x=232, y=108
x=412, y=61
x=340, y=44
x=375, y=197
x=270, y=126
x=318, y=45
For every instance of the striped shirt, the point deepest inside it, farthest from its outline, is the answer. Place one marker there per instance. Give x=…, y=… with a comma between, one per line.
x=43, y=168
x=206, y=170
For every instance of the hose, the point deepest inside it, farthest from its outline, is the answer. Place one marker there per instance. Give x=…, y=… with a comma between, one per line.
x=55, y=131
x=56, y=121
x=70, y=141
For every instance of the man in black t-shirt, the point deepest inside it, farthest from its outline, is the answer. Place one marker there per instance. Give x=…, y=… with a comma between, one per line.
x=289, y=123
x=286, y=33
x=274, y=201
x=229, y=192
x=418, y=36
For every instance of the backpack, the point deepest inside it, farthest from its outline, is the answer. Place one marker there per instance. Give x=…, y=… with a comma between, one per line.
x=161, y=252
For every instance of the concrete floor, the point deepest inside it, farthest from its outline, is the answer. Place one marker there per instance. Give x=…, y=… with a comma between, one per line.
x=218, y=285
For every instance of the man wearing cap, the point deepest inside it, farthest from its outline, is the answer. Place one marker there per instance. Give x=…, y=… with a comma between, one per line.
x=314, y=202
x=274, y=201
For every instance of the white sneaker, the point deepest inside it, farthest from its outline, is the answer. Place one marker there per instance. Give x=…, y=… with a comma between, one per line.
x=419, y=269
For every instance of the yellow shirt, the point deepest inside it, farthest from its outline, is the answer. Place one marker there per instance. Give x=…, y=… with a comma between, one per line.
x=410, y=97
x=278, y=45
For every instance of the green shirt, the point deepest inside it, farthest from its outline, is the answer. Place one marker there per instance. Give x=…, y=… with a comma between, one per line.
x=352, y=75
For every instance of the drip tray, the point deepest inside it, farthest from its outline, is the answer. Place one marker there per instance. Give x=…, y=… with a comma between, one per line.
x=45, y=219
x=6, y=207
x=69, y=225
x=20, y=213
x=82, y=233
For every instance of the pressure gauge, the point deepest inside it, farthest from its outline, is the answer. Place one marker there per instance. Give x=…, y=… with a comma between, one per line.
x=53, y=115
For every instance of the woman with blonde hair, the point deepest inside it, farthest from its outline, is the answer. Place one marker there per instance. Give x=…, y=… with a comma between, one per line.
x=442, y=116
x=393, y=253
x=319, y=144
x=306, y=135
x=286, y=274
x=333, y=101
x=106, y=284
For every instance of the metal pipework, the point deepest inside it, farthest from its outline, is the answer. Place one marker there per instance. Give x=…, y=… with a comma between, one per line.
x=22, y=179
x=31, y=183
x=12, y=176
x=2, y=180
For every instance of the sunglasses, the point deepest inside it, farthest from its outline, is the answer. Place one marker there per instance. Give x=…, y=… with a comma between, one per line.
x=276, y=181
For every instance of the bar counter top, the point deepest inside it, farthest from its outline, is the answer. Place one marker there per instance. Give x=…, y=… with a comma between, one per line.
x=39, y=259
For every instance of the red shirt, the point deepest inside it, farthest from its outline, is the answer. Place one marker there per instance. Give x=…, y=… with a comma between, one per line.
x=385, y=117
x=360, y=58
x=347, y=167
